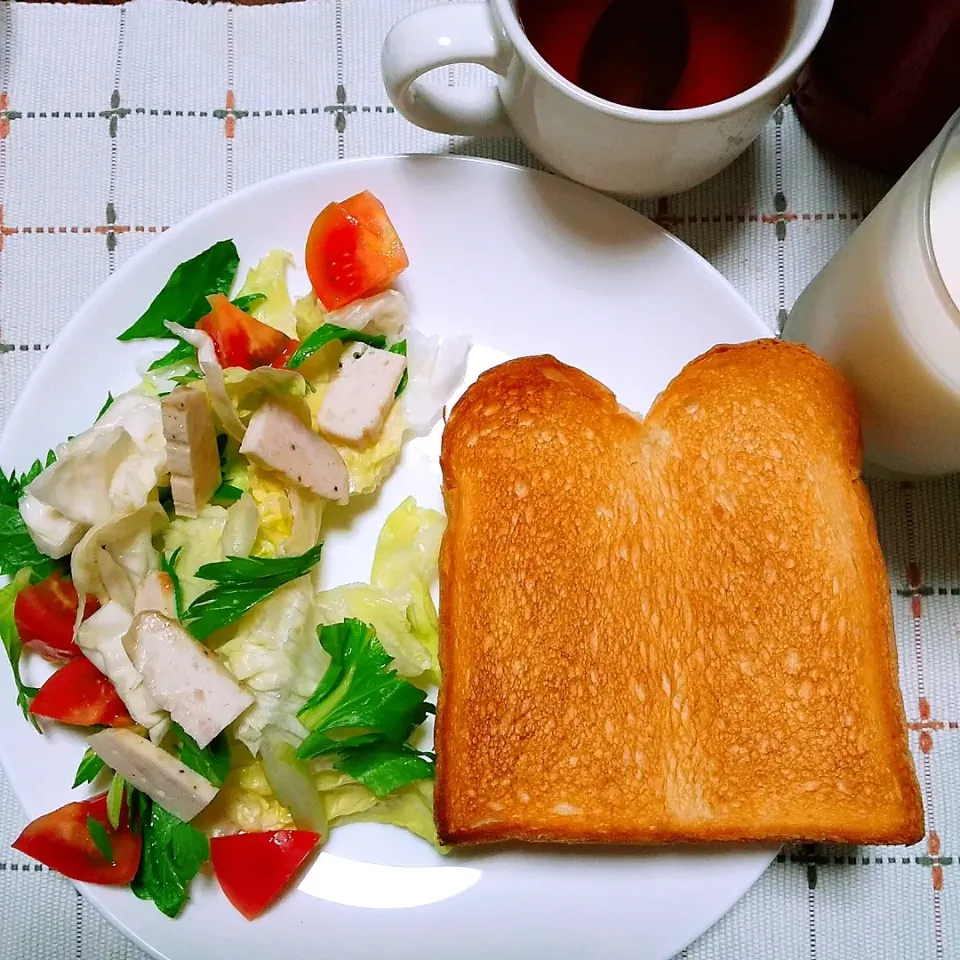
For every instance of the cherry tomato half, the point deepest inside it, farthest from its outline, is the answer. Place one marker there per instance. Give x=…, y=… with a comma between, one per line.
x=45, y=614
x=255, y=868
x=241, y=340
x=80, y=694
x=353, y=251
x=62, y=841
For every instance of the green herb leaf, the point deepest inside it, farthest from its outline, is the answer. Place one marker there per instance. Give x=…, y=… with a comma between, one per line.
x=138, y=807
x=367, y=697
x=17, y=549
x=100, y=838
x=89, y=769
x=401, y=348
x=9, y=490
x=169, y=566
x=107, y=404
x=227, y=492
x=12, y=487
x=115, y=801
x=242, y=582
x=318, y=744
x=247, y=569
x=327, y=332
x=183, y=352
x=385, y=767
x=173, y=852
x=248, y=300
x=211, y=762
x=11, y=642
x=183, y=298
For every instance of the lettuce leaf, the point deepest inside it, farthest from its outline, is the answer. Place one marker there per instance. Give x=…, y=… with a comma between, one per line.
x=101, y=637
x=405, y=566
x=113, y=557
x=199, y=540
x=360, y=692
x=245, y=803
x=275, y=653
x=385, y=767
x=360, y=601
x=269, y=277
x=309, y=314
x=410, y=807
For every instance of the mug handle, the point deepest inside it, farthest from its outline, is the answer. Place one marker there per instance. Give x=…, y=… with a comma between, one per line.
x=439, y=37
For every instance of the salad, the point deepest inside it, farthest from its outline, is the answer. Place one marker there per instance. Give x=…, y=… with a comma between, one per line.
x=167, y=561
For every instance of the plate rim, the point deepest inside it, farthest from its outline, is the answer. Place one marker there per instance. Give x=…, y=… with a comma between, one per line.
x=132, y=266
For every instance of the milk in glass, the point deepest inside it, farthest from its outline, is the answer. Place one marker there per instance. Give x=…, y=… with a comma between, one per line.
x=886, y=312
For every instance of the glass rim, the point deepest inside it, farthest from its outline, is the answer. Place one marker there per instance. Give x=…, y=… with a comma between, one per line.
x=946, y=136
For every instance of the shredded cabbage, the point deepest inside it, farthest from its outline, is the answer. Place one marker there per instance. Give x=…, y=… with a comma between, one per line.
x=212, y=378
x=385, y=313
x=269, y=277
x=110, y=468
x=79, y=483
x=436, y=366
x=113, y=557
x=101, y=638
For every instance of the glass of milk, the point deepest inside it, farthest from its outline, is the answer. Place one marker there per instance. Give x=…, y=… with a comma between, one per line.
x=885, y=311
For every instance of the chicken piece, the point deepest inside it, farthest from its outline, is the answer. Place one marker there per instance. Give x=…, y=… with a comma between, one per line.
x=156, y=593
x=158, y=774
x=53, y=534
x=101, y=637
x=357, y=402
x=185, y=677
x=276, y=439
x=192, y=454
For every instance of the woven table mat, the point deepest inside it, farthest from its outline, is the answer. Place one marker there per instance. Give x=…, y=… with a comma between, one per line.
x=118, y=121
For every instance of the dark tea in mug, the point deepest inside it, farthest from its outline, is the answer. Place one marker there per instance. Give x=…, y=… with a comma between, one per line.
x=660, y=54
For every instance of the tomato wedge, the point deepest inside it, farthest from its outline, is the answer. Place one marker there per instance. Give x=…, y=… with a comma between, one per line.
x=62, y=841
x=254, y=868
x=81, y=695
x=45, y=614
x=353, y=251
x=241, y=340
x=281, y=361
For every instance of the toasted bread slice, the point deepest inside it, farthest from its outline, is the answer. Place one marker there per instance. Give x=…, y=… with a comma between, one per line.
x=670, y=630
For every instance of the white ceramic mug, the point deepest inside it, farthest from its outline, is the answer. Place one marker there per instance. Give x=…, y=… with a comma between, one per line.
x=602, y=144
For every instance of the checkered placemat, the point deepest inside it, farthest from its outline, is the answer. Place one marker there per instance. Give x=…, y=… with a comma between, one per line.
x=116, y=122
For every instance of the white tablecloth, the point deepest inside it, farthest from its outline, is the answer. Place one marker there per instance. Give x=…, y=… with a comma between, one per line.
x=116, y=122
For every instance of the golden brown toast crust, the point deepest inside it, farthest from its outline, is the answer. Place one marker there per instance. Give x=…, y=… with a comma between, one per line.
x=674, y=630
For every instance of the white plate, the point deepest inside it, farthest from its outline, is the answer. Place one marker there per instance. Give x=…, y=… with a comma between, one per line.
x=524, y=263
